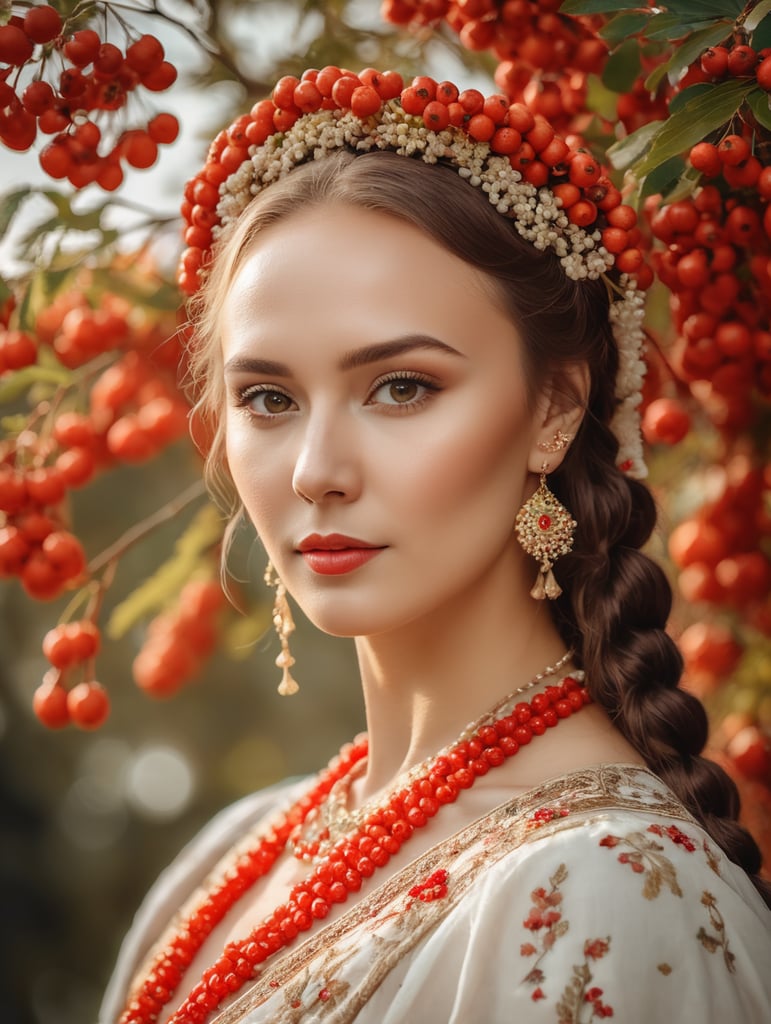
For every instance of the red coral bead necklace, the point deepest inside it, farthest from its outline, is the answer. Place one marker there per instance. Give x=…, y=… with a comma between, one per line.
x=345, y=849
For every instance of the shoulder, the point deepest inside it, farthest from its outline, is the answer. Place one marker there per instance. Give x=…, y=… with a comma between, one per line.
x=610, y=894
x=178, y=881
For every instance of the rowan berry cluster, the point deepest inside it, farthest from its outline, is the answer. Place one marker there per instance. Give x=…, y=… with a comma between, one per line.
x=716, y=263
x=71, y=647
x=719, y=550
x=179, y=640
x=544, y=56
x=738, y=61
x=530, y=142
x=123, y=412
x=96, y=79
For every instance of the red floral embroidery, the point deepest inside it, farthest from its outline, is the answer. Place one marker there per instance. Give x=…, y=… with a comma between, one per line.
x=646, y=858
x=674, y=833
x=594, y=949
x=599, y=1008
x=544, y=815
x=434, y=887
x=578, y=994
x=545, y=921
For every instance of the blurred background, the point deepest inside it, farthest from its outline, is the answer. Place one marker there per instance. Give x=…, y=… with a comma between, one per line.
x=89, y=817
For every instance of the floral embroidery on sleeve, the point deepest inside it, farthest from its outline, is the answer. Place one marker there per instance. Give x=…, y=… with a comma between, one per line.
x=713, y=943
x=578, y=999
x=646, y=858
x=546, y=923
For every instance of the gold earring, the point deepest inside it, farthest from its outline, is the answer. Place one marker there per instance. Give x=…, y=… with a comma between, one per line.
x=545, y=530
x=284, y=623
x=557, y=443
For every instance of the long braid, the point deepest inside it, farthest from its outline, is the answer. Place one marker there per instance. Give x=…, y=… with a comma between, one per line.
x=614, y=612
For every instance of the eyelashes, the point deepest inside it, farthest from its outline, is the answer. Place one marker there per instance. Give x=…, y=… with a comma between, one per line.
x=397, y=392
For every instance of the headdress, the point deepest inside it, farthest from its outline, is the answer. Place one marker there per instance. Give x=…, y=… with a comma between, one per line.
x=556, y=197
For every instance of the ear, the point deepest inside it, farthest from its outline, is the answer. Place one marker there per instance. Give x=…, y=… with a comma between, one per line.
x=559, y=412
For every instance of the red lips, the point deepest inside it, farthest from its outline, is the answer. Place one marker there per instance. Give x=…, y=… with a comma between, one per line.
x=335, y=553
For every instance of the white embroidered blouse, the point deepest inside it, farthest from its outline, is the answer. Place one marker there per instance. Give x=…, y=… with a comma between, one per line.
x=593, y=896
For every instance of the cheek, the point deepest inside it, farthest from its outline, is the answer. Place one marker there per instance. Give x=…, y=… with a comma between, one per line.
x=480, y=469
x=252, y=471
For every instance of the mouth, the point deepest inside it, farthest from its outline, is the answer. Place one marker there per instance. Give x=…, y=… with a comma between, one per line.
x=335, y=554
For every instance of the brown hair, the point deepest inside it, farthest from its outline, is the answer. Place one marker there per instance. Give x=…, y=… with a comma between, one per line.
x=616, y=600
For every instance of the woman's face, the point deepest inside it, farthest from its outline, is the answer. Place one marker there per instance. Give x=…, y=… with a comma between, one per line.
x=377, y=425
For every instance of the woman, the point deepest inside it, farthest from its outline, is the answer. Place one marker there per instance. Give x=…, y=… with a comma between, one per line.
x=422, y=371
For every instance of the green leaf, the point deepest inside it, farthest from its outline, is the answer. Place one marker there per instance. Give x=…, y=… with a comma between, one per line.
x=704, y=114
x=663, y=178
x=758, y=102
x=5, y=292
x=680, y=99
x=687, y=52
x=9, y=206
x=624, y=25
x=39, y=293
x=19, y=382
x=761, y=37
x=593, y=6
x=622, y=67
x=626, y=152
x=669, y=27
x=164, y=585
x=756, y=15
x=705, y=8
x=654, y=79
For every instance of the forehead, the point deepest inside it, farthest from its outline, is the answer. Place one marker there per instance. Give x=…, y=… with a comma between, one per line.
x=334, y=253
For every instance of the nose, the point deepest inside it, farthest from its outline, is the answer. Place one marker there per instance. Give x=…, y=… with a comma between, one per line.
x=327, y=466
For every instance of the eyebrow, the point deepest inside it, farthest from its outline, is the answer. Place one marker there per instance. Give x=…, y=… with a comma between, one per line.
x=351, y=360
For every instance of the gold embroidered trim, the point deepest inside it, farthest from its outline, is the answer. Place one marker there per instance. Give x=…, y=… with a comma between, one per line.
x=582, y=794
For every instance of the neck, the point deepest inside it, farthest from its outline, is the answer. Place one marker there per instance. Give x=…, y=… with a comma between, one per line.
x=426, y=681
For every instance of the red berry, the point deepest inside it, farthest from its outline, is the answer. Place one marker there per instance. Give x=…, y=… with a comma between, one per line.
x=665, y=421
x=163, y=128
x=705, y=158
x=750, y=751
x=714, y=61
x=763, y=74
x=15, y=47
x=82, y=48
x=145, y=55
x=49, y=702
x=365, y=101
x=42, y=24
x=733, y=150
x=38, y=97
x=160, y=78
x=88, y=705
x=741, y=61
x=307, y=97
x=584, y=170
x=436, y=116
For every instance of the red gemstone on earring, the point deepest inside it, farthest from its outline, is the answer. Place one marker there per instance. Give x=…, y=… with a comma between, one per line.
x=544, y=522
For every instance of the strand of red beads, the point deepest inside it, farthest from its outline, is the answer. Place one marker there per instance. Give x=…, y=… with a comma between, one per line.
x=355, y=857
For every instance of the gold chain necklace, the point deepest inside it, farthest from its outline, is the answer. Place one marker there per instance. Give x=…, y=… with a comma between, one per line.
x=334, y=818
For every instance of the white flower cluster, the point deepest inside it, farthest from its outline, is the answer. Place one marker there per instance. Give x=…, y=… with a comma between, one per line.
x=535, y=212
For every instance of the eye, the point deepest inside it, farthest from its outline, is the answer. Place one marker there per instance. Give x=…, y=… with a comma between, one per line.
x=402, y=389
x=265, y=401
